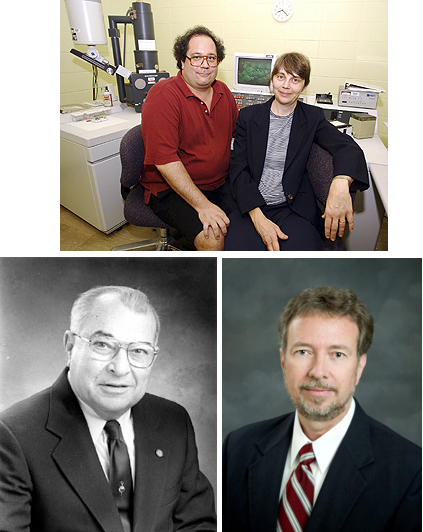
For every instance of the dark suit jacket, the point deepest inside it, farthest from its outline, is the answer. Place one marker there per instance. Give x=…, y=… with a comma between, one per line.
x=52, y=481
x=308, y=125
x=373, y=483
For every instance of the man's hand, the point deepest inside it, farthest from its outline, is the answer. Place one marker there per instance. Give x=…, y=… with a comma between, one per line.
x=214, y=220
x=268, y=230
x=338, y=209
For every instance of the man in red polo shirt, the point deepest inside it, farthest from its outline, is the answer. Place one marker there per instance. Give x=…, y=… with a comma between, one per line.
x=188, y=122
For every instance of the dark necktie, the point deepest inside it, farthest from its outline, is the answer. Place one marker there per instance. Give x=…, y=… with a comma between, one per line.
x=297, y=500
x=120, y=478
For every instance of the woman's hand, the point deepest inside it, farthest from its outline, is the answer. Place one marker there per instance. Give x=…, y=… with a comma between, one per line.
x=269, y=231
x=339, y=209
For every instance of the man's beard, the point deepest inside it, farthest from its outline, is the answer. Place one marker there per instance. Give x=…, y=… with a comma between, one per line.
x=313, y=412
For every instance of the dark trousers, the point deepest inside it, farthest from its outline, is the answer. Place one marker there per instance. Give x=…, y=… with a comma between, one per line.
x=242, y=235
x=177, y=213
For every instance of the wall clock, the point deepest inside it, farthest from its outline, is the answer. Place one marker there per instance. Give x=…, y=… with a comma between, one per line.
x=282, y=10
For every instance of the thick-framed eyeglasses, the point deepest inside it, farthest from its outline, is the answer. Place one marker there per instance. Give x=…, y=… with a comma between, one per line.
x=198, y=60
x=140, y=354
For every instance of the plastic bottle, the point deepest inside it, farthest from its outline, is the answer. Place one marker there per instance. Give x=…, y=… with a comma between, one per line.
x=107, y=98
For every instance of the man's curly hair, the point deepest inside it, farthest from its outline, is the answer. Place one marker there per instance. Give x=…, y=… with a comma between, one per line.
x=180, y=48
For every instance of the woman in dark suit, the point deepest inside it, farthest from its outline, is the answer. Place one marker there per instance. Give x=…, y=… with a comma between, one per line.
x=268, y=197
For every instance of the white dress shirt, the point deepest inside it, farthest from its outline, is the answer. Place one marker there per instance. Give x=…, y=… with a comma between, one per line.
x=99, y=437
x=324, y=449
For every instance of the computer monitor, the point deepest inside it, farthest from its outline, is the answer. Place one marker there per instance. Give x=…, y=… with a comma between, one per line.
x=252, y=72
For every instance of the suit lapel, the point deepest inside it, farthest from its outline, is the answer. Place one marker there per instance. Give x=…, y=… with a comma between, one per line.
x=76, y=457
x=265, y=477
x=344, y=482
x=152, y=460
x=259, y=136
x=297, y=136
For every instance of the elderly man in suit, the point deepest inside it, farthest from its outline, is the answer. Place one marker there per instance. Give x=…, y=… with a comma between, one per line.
x=95, y=452
x=327, y=466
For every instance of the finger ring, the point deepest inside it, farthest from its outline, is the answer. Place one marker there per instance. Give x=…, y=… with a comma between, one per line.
x=342, y=221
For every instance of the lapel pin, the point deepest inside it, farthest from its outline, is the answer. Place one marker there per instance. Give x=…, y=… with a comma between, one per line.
x=159, y=453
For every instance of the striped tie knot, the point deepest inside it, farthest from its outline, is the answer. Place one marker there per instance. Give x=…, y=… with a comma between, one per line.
x=297, y=500
x=307, y=455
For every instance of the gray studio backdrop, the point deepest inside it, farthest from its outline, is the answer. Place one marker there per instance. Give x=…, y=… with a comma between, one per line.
x=35, y=302
x=255, y=292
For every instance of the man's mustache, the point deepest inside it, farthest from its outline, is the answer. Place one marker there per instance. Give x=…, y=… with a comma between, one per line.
x=317, y=384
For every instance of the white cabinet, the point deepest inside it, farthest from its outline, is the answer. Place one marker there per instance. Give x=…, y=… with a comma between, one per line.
x=90, y=169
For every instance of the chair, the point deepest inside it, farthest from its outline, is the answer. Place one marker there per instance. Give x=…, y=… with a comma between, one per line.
x=135, y=210
x=320, y=174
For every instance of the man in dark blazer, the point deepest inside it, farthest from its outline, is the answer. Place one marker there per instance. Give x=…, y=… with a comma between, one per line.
x=367, y=477
x=54, y=471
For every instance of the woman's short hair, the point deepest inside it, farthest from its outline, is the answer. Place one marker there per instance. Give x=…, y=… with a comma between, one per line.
x=132, y=298
x=181, y=45
x=295, y=64
x=330, y=302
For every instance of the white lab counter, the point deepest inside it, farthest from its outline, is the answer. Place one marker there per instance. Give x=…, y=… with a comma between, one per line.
x=369, y=206
x=379, y=175
x=90, y=167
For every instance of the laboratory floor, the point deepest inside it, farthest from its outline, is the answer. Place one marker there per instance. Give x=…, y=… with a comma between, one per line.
x=77, y=235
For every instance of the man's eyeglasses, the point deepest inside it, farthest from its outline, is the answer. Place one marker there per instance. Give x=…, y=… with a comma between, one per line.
x=140, y=354
x=198, y=60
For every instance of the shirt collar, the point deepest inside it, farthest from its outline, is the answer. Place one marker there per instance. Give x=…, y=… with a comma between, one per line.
x=96, y=423
x=324, y=447
x=183, y=86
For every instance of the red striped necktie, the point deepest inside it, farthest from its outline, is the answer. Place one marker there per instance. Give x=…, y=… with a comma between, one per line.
x=297, y=499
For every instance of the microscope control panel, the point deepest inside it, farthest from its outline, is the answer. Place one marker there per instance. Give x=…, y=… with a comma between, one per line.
x=245, y=99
